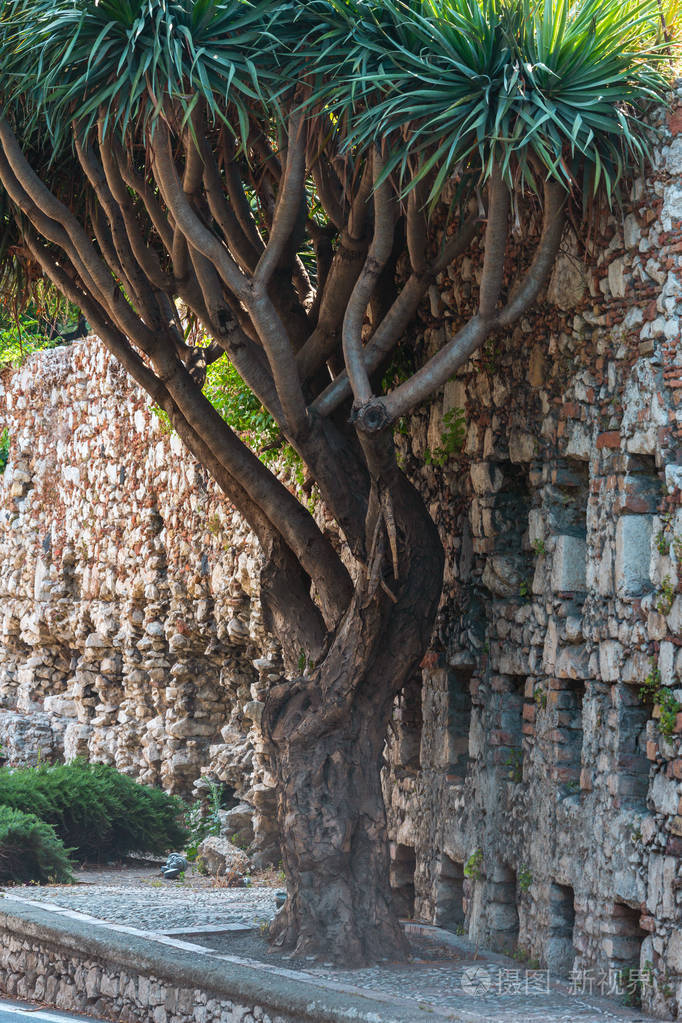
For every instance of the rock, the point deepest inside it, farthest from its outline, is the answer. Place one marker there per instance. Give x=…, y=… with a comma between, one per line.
x=568, y=282
x=238, y=819
x=221, y=857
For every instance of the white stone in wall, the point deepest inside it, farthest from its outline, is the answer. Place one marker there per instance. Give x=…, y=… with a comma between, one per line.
x=665, y=794
x=633, y=553
x=568, y=564
x=616, y=277
x=610, y=655
x=672, y=205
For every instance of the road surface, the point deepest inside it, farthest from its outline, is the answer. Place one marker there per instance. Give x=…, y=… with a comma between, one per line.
x=23, y=1012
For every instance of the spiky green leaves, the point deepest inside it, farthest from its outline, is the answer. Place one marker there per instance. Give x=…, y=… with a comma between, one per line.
x=448, y=86
x=130, y=60
x=540, y=86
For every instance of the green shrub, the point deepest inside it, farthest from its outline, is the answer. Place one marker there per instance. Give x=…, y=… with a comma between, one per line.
x=30, y=850
x=96, y=811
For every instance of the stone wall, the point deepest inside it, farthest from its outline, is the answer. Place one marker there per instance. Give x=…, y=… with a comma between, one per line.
x=130, y=627
x=533, y=797
x=542, y=810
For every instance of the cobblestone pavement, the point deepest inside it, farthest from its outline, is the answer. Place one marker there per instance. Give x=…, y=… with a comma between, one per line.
x=139, y=897
x=448, y=980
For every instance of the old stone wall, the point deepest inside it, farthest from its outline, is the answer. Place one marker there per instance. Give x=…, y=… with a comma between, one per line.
x=535, y=801
x=535, y=783
x=130, y=628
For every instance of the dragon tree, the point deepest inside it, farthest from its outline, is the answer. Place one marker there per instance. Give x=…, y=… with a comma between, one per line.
x=293, y=177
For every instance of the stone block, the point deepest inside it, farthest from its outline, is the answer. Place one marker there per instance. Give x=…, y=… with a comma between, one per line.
x=573, y=662
x=486, y=477
x=616, y=276
x=633, y=553
x=673, y=953
x=522, y=446
x=665, y=795
x=568, y=564
x=221, y=856
x=610, y=653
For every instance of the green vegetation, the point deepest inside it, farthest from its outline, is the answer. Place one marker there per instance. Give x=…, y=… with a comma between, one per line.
x=238, y=406
x=95, y=811
x=473, y=867
x=515, y=764
x=652, y=690
x=662, y=542
x=452, y=438
x=20, y=341
x=200, y=823
x=30, y=851
x=666, y=596
x=525, y=879
x=30, y=326
x=4, y=448
x=513, y=82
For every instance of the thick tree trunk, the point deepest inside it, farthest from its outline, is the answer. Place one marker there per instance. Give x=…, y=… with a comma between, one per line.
x=326, y=735
x=334, y=845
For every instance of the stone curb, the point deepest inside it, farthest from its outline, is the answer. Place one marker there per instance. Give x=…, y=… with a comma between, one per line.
x=179, y=965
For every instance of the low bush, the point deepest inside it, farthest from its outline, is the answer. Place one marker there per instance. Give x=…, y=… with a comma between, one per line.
x=97, y=812
x=30, y=850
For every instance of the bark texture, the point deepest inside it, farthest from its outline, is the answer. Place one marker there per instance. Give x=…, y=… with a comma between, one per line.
x=326, y=734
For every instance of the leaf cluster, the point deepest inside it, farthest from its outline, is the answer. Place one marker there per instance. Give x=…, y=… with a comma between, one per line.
x=449, y=87
x=454, y=85
x=202, y=820
x=97, y=812
x=30, y=851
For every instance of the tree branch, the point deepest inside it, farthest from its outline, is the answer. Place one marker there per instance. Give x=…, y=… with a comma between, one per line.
x=44, y=209
x=247, y=253
x=238, y=200
x=524, y=292
x=289, y=201
x=189, y=223
x=146, y=257
x=377, y=256
x=344, y=272
x=391, y=328
x=285, y=585
x=495, y=245
x=139, y=186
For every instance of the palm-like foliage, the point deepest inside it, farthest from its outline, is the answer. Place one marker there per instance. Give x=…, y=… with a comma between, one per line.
x=130, y=59
x=459, y=84
x=451, y=85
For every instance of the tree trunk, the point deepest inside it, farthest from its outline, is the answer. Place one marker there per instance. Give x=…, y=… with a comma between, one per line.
x=334, y=845
x=326, y=735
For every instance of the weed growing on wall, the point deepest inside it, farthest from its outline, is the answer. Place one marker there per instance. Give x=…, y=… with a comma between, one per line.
x=201, y=822
x=4, y=449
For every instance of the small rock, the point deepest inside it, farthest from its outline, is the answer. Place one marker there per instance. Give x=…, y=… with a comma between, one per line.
x=174, y=866
x=221, y=857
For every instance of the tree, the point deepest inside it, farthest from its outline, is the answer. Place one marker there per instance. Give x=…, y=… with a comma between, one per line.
x=293, y=177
